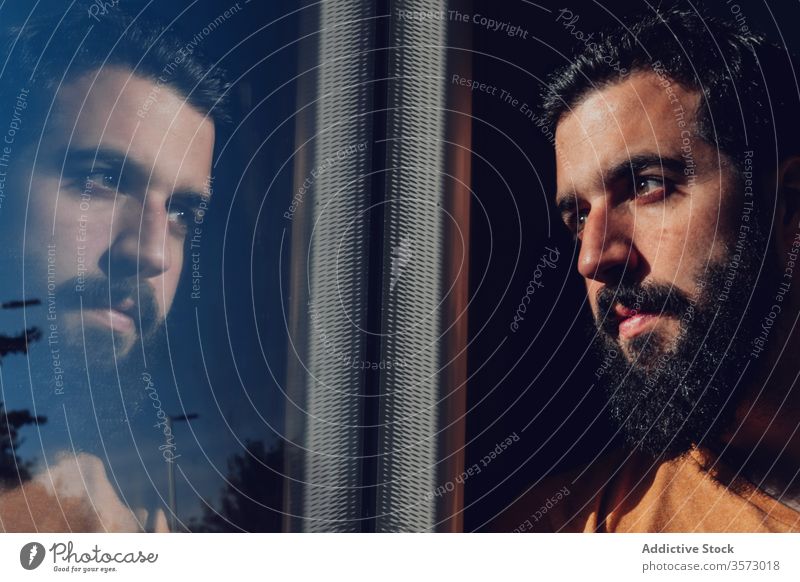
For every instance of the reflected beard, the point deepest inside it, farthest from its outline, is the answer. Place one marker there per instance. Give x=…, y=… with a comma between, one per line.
x=99, y=293
x=86, y=382
x=100, y=394
x=672, y=394
x=102, y=366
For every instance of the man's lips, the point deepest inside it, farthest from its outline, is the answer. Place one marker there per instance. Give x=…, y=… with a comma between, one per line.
x=632, y=322
x=116, y=320
x=120, y=317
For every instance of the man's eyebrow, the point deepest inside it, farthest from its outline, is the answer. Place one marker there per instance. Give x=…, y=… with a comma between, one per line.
x=632, y=166
x=565, y=202
x=103, y=155
x=94, y=155
x=193, y=197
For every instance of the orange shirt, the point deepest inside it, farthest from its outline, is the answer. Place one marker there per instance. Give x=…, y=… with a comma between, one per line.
x=73, y=495
x=629, y=492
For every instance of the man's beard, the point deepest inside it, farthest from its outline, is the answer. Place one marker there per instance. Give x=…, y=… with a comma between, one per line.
x=91, y=387
x=99, y=293
x=674, y=394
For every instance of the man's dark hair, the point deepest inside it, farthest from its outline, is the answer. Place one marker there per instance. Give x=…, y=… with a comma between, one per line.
x=748, y=87
x=47, y=52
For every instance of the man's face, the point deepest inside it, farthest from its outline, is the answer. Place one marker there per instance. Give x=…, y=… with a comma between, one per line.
x=112, y=196
x=661, y=220
x=623, y=186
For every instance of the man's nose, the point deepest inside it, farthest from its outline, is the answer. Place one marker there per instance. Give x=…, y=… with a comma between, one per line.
x=608, y=254
x=139, y=244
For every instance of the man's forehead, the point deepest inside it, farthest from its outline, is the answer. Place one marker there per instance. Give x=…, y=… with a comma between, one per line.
x=147, y=123
x=622, y=122
x=638, y=106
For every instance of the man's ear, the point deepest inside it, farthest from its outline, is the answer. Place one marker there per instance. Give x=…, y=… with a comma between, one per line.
x=788, y=191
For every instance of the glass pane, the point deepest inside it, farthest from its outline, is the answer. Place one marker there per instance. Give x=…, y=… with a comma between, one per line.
x=238, y=256
x=143, y=324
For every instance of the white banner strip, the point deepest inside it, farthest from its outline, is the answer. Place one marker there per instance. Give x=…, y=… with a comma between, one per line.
x=401, y=557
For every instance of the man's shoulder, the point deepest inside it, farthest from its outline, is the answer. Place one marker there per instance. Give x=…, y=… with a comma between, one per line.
x=631, y=492
x=580, y=499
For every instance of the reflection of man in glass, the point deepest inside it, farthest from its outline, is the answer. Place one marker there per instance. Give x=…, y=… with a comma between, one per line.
x=107, y=173
x=678, y=172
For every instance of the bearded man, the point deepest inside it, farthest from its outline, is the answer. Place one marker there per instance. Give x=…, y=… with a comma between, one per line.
x=678, y=173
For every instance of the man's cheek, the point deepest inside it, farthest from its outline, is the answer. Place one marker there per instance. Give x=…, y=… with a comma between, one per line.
x=710, y=226
x=169, y=284
x=677, y=259
x=592, y=289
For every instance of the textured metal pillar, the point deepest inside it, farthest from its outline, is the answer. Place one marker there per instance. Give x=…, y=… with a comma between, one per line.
x=379, y=276
x=418, y=286
x=329, y=258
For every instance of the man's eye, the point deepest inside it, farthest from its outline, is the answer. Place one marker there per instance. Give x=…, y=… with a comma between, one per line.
x=181, y=215
x=576, y=221
x=101, y=179
x=652, y=187
x=581, y=218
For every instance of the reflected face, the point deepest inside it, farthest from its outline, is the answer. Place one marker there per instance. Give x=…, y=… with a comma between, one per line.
x=112, y=197
x=649, y=200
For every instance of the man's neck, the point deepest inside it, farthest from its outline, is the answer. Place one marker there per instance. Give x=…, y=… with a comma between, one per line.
x=764, y=443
